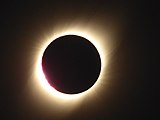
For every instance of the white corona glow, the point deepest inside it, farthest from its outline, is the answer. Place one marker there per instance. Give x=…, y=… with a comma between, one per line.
x=96, y=40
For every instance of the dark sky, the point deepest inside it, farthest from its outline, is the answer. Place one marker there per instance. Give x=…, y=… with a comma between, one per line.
x=133, y=88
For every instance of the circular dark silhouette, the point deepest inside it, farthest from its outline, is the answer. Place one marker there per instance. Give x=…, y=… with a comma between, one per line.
x=71, y=64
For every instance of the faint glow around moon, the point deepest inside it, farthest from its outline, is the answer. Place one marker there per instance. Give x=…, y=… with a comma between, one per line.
x=98, y=40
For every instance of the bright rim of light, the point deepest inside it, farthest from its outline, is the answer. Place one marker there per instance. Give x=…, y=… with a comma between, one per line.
x=97, y=41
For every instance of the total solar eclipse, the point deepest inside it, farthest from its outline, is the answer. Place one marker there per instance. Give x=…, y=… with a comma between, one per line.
x=71, y=64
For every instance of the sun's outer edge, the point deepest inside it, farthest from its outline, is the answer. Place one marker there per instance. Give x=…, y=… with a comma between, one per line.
x=41, y=77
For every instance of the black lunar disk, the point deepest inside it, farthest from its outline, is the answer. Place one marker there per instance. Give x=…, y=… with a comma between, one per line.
x=71, y=64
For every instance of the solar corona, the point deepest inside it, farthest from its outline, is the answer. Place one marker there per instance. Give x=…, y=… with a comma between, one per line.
x=72, y=91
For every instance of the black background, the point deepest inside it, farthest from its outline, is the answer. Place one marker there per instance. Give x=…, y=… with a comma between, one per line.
x=134, y=90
